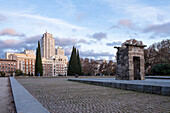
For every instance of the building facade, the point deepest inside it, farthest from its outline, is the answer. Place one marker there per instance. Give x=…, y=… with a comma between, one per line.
x=61, y=62
x=25, y=60
x=56, y=65
x=8, y=66
x=53, y=64
x=47, y=45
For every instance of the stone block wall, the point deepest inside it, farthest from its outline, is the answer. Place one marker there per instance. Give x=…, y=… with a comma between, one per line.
x=136, y=51
x=122, y=71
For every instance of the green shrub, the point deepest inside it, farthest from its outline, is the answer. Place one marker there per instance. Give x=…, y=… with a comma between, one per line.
x=18, y=72
x=2, y=74
x=161, y=69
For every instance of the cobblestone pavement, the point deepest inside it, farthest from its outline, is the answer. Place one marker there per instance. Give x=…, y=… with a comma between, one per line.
x=61, y=96
x=6, y=100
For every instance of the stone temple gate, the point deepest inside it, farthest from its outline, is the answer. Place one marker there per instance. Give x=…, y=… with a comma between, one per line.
x=130, y=61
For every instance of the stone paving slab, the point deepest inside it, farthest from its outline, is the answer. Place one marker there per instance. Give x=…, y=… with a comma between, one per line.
x=155, y=86
x=24, y=101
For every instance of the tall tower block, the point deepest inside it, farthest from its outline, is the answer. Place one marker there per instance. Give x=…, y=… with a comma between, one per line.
x=47, y=45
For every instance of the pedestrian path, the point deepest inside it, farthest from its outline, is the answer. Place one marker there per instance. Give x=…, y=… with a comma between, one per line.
x=6, y=105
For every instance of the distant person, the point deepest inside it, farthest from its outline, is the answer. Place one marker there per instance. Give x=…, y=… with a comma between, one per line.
x=76, y=75
x=13, y=74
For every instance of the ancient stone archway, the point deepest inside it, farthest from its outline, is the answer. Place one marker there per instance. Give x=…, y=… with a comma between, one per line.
x=130, y=61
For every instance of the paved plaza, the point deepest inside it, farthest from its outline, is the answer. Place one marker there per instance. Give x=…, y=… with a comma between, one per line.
x=60, y=95
x=6, y=100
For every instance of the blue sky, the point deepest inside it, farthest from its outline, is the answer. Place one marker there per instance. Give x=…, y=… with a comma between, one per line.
x=93, y=26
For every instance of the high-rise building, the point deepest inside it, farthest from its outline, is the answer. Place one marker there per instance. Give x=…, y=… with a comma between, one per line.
x=47, y=45
x=53, y=64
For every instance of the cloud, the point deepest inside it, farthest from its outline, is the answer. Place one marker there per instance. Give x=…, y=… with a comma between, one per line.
x=68, y=41
x=10, y=32
x=74, y=30
x=91, y=53
x=139, y=11
x=32, y=39
x=98, y=36
x=160, y=17
x=127, y=23
x=56, y=21
x=2, y=18
x=124, y=23
x=114, y=43
x=114, y=27
x=67, y=51
x=19, y=45
x=81, y=15
x=158, y=28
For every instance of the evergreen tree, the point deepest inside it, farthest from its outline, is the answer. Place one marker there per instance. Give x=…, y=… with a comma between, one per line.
x=36, y=67
x=79, y=64
x=73, y=66
x=38, y=61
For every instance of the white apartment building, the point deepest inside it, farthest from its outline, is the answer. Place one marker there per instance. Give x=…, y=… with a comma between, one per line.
x=47, y=45
x=53, y=64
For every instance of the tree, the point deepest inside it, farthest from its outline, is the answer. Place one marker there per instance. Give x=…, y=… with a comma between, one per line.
x=110, y=68
x=38, y=61
x=161, y=69
x=92, y=67
x=73, y=65
x=157, y=53
x=79, y=64
x=18, y=72
x=2, y=74
x=85, y=66
x=102, y=68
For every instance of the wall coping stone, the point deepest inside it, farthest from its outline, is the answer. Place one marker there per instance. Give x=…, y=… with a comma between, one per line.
x=24, y=101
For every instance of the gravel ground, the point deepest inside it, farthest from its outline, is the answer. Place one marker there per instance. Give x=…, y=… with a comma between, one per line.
x=61, y=96
x=6, y=99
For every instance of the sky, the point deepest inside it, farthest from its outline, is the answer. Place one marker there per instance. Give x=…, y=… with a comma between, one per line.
x=93, y=26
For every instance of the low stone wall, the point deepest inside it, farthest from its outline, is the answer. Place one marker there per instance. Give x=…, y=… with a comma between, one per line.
x=24, y=101
x=161, y=90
